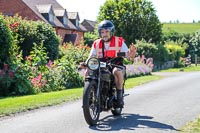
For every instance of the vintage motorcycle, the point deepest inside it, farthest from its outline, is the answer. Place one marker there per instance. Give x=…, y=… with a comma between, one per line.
x=100, y=92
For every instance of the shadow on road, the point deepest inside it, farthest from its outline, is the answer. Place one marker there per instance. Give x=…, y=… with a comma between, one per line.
x=129, y=122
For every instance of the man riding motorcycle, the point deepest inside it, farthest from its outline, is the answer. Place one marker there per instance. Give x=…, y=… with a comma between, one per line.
x=107, y=48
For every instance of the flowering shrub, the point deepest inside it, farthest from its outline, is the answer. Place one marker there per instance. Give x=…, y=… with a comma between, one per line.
x=38, y=82
x=76, y=53
x=27, y=33
x=13, y=81
x=70, y=76
x=6, y=79
x=141, y=66
x=176, y=51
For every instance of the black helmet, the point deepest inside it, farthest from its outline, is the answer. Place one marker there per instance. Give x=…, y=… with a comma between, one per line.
x=106, y=24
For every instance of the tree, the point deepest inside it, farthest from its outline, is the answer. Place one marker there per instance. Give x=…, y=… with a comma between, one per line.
x=195, y=44
x=133, y=19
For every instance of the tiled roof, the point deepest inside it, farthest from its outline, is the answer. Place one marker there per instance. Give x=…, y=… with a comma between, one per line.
x=92, y=23
x=54, y=3
x=82, y=27
x=89, y=25
x=43, y=6
x=71, y=26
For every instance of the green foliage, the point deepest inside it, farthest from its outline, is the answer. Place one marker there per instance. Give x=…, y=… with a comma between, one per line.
x=36, y=62
x=50, y=40
x=6, y=41
x=14, y=81
x=76, y=53
x=6, y=79
x=133, y=19
x=89, y=38
x=195, y=44
x=172, y=36
x=30, y=32
x=161, y=56
x=22, y=85
x=175, y=52
x=13, y=77
x=38, y=57
x=146, y=49
x=70, y=76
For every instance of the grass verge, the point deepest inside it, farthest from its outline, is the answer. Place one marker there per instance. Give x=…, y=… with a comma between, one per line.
x=12, y=105
x=185, y=69
x=192, y=127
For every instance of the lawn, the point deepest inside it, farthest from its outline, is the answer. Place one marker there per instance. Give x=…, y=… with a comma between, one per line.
x=181, y=27
x=193, y=67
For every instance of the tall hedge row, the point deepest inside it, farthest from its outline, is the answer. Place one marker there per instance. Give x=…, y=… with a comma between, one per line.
x=6, y=41
x=29, y=32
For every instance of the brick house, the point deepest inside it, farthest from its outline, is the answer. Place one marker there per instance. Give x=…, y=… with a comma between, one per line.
x=65, y=23
x=89, y=25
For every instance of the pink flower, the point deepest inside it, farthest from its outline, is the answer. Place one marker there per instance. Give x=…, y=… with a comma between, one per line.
x=38, y=82
x=49, y=64
x=10, y=74
x=2, y=73
x=5, y=67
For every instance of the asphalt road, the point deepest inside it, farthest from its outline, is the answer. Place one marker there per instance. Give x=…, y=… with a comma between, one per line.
x=160, y=106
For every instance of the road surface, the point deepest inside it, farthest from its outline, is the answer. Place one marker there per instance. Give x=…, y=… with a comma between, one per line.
x=159, y=106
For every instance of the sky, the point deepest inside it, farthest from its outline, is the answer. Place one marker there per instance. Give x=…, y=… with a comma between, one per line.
x=166, y=10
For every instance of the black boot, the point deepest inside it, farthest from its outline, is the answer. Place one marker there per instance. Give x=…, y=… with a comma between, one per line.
x=120, y=99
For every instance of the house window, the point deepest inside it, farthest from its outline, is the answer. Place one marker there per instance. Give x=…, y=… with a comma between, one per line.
x=8, y=14
x=50, y=17
x=77, y=23
x=65, y=20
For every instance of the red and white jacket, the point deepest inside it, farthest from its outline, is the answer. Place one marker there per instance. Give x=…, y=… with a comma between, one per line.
x=111, y=52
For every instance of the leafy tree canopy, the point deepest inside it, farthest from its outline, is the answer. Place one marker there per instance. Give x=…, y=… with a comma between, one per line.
x=133, y=19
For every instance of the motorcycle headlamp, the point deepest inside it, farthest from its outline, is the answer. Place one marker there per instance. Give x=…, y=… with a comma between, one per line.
x=93, y=63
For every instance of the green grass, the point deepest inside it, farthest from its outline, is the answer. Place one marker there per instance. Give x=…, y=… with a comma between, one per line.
x=192, y=127
x=12, y=105
x=132, y=82
x=185, y=69
x=181, y=27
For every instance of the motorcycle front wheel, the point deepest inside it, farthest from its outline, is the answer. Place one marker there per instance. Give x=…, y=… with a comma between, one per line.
x=91, y=103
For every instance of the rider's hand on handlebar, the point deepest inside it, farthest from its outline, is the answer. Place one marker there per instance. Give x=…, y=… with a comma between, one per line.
x=82, y=65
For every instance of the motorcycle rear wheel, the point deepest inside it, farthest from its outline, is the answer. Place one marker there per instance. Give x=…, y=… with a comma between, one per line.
x=116, y=111
x=91, y=103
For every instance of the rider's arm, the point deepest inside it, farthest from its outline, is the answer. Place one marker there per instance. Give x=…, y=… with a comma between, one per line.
x=93, y=53
x=126, y=50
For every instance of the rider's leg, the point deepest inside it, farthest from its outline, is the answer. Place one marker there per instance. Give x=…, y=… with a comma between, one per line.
x=119, y=80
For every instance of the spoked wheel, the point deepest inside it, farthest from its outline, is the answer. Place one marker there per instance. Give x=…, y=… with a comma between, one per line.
x=91, y=104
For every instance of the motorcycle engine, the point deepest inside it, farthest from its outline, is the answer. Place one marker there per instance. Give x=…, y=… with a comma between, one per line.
x=106, y=75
